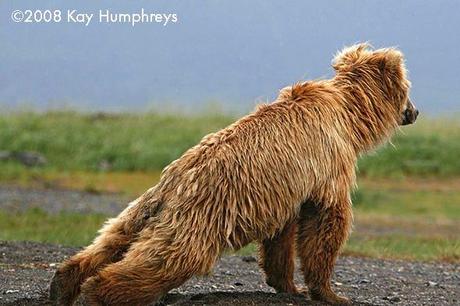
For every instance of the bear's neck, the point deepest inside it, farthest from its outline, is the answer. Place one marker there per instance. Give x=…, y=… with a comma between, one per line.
x=372, y=120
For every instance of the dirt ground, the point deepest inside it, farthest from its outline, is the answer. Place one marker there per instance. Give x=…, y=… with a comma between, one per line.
x=26, y=268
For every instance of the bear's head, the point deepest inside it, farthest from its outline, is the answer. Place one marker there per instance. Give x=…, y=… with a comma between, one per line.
x=381, y=74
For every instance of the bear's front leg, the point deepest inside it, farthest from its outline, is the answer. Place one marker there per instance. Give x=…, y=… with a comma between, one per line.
x=276, y=258
x=322, y=230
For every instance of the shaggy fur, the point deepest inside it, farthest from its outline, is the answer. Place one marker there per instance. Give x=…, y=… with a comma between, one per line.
x=280, y=176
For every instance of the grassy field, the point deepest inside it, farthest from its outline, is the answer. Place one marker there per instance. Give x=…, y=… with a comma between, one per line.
x=36, y=225
x=72, y=141
x=407, y=205
x=91, y=142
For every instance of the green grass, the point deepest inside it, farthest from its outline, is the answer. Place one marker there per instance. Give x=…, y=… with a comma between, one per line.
x=407, y=219
x=394, y=247
x=72, y=141
x=36, y=225
x=403, y=247
x=428, y=148
x=409, y=204
x=148, y=142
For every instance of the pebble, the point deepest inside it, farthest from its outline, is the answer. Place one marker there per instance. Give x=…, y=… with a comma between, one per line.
x=364, y=281
x=11, y=291
x=392, y=298
x=248, y=259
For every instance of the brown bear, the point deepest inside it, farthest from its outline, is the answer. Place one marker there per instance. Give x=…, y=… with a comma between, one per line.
x=280, y=176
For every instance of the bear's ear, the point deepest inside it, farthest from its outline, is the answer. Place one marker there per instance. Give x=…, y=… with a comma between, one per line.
x=349, y=56
x=390, y=59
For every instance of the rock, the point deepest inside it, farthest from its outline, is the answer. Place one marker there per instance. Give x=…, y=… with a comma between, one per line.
x=248, y=259
x=29, y=158
x=5, y=155
x=104, y=165
x=431, y=284
x=364, y=281
x=11, y=291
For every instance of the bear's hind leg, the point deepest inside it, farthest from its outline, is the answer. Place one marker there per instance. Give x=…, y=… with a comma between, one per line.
x=276, y=258
x=156, y=263
x=321, y=233
x=108, y=247
x=113, y=241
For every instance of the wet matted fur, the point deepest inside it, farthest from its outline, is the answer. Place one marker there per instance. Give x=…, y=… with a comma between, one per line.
x=280, y=176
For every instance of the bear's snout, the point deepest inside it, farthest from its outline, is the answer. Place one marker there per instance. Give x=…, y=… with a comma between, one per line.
x=409, y=116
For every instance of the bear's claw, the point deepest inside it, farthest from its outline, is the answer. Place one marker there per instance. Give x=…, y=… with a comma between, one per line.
x=329, y=297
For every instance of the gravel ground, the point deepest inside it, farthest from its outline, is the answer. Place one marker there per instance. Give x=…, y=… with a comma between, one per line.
x=26, y=267
x=14, y=198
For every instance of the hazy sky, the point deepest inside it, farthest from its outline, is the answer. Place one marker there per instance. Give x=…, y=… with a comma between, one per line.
x=234, y=52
